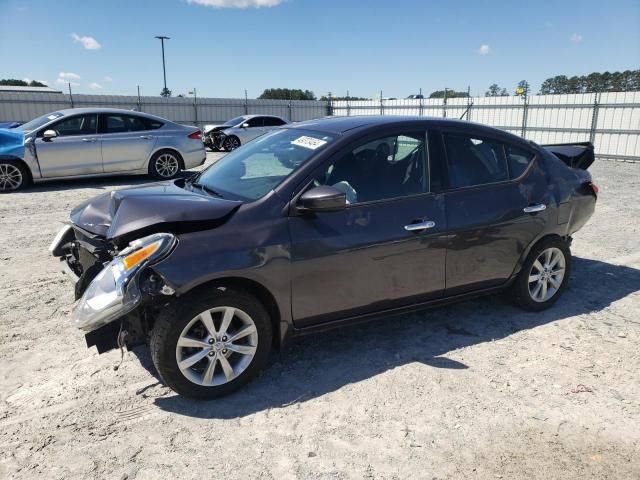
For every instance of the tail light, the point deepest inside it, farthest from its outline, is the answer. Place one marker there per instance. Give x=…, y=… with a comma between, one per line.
x=595, y=188
x=196, y=135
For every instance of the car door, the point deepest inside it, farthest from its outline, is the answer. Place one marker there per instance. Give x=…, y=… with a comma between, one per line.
x=255, y=128
x=386, y=249
x=126, y=142
x=75, y=150
x=494, y=208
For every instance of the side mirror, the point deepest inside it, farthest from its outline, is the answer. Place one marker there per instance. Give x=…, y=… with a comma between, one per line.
x=322, y=199
x=245, y=125
x=49, y=134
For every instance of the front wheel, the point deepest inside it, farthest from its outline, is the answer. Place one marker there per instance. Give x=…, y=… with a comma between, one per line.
x=13, y=176
x=544, y=276
x=209, y=345
x=231, y=143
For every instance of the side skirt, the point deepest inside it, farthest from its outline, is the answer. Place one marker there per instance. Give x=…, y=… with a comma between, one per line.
x=298, y=332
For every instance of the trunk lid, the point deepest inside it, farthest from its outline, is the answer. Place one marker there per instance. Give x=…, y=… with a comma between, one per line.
x=574, y=155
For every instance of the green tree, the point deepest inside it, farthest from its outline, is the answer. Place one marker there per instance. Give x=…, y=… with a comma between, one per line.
x=165, y=92
x=626, y=81
x=524, y=85
x=286, y=94
x=324, y=98
x=13, y=82
x=450, y=94
x=496, y=91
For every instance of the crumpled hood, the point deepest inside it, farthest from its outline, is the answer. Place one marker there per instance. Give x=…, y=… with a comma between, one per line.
x=150, y=208
x=12, y=142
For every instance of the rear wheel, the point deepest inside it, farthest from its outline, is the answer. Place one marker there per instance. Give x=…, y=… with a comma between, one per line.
x=209, y=345
x=231, y=143
x=13, y=176
x=164, y=165
x=544, y=276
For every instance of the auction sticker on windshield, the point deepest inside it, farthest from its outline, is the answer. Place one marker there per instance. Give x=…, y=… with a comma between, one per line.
x=308, y=142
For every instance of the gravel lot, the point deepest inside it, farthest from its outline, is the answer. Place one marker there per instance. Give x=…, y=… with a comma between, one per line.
x=478, y=390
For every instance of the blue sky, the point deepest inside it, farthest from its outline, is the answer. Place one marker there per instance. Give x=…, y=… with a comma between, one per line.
x=321, y=45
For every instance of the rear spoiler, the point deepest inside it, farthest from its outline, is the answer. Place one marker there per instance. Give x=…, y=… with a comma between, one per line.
x=575, y=155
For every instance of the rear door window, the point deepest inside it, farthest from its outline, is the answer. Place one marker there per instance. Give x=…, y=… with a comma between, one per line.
x=115, y=123
x=474, y=160
x=273, y=122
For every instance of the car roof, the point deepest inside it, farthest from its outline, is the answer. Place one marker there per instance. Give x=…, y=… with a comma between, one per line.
x=341, y=125
x=260, y=115
x=75, y=111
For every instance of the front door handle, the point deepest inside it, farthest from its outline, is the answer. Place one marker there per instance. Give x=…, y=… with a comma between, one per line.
x=535, y=208
x=146, y=137
x=415, y=227
x=91, y=140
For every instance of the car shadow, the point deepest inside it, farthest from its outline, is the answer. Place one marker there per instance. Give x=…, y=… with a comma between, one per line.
x=322, y=363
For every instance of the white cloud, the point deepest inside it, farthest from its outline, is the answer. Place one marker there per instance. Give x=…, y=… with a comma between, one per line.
x=236, y=3
x=89, y=43
x=576, y=38
x=484, y=49
x=69, y=76
x=95, y=86
x=108, y=79
x=64, y=81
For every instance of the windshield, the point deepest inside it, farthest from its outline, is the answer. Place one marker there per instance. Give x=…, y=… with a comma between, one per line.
x=38, y=122
x=253, y=170
x=234, y=121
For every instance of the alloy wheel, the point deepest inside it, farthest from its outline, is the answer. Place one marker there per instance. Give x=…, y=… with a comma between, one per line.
x=546, y=275
x=231, y=143
x=217, y=346
x=10, y=177
x=167, y=165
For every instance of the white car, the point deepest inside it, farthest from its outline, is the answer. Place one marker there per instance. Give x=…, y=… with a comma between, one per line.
x=241, y=130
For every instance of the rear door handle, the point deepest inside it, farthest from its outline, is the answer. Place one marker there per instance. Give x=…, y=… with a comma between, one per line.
x=535, y=208
x=415, y=227
x=89, y=140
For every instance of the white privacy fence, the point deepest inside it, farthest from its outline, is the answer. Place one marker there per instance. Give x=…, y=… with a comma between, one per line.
x=610, y=120
x=24, y=106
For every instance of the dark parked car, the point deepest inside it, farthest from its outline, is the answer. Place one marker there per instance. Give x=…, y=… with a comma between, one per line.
x=316, y=225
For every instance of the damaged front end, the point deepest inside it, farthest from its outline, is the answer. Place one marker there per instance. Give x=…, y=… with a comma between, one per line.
x=111, y=285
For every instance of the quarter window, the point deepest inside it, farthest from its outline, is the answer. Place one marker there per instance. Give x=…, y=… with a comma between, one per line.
x=474, y=160
x=385, y=168
x=518, y=159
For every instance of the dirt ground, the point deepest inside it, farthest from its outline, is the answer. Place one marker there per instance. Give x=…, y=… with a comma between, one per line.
x=480, y=390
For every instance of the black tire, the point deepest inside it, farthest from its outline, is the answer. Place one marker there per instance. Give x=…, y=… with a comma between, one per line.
x=14, y=176
x=521, y=291
x=173, y=320
x=231, y=143
x=165, y=165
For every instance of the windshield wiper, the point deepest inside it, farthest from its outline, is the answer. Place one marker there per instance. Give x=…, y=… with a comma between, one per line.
x=207, y=189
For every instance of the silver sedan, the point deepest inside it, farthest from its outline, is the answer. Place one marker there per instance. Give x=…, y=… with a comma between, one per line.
x=83, y=142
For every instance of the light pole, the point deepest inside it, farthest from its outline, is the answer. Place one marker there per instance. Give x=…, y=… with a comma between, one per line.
x=164, y=70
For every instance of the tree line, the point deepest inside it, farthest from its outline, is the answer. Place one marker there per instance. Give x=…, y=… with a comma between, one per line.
x=14, y=82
